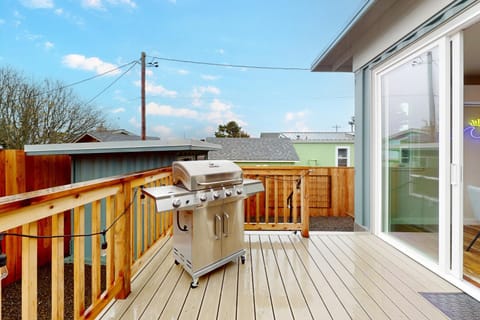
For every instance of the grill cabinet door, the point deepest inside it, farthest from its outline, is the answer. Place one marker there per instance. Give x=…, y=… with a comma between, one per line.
x=232, y=227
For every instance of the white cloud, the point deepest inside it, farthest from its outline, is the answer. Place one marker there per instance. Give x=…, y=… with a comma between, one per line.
x=128, y=3
x=162, y=130
x=78, y=61
x=198, y=93
x=69, y=17
x=156, y=109
x=291, y=116
x=118, y=110
x=99, y=4
x=209, y=77
x=297, y=121
x=157, y=90
x=48, y=45
x=134, y=122
x=38, y=4
x=183, y=72
x=221, y=112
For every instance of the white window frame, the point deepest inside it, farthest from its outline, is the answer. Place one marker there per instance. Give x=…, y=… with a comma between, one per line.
x=337, y=148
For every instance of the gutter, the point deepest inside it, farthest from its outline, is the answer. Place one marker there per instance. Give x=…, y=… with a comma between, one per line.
x=365, y=7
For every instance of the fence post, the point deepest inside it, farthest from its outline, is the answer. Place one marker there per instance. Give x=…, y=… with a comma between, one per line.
x=304, y=203
x=123, y=239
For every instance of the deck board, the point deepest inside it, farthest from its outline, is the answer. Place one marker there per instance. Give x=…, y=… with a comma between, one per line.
x=328, y=276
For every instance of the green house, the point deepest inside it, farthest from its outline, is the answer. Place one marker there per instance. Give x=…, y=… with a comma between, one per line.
x=323, y=149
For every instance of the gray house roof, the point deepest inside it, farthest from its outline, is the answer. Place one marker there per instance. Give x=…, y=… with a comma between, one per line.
x=254, y=149
x=111, y=135
x=325, y=137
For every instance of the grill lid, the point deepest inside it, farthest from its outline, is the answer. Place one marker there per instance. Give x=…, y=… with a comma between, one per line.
x=206, y=174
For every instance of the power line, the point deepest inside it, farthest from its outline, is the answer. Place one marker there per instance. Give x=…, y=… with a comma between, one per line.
x=88, y=79
x=111, y=84
x=232, y=65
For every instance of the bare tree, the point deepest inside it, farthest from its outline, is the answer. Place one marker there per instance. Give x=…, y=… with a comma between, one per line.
x=38, y=113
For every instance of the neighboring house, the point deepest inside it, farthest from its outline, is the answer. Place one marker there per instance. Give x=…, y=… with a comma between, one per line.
x=413, y=62
x=110, y=135
x=323, y=149
x=255, y=151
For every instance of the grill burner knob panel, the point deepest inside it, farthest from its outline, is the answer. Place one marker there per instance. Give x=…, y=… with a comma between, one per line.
x=176, y=203
x=239, y=191
x=216, y=195
x=203, y=197
x=228, y=193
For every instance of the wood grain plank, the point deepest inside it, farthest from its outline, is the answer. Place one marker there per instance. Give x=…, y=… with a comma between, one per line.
x=341, y=289
x=227, y=308
x=408, y=300
x=298, y=305
x=377, y=290
x=278, y=294
x=211, y=298
x=420, y=274
x=306, y=283
x=261, y=293
x=245, y=298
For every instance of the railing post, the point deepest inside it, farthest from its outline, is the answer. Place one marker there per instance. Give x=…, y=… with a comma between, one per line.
x=29, y=272
x=304, y=203
x=123, y=239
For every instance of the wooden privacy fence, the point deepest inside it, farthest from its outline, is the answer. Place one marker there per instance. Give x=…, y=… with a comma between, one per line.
x=21, y=173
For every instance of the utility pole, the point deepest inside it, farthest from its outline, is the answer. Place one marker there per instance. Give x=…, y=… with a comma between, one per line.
x=142, y=86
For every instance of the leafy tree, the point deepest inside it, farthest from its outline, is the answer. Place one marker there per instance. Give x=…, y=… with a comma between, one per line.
x=230, y=130
x=39, y=113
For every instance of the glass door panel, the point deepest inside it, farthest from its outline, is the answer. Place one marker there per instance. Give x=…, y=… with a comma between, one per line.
x=410, y=153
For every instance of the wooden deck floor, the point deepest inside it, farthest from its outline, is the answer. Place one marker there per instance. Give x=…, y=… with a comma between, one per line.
x=328, y=276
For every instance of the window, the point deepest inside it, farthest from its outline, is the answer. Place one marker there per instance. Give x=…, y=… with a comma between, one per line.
x=343, y=157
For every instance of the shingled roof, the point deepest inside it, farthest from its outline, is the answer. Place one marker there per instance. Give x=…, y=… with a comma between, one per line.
x=254, y=149
x=110, y=136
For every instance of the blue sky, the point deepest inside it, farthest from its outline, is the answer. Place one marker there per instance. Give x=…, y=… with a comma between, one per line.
x=73, y=40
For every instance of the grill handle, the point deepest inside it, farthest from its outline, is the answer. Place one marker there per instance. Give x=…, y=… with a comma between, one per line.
x=215, y=183
x=226, y=218
x=217, y=225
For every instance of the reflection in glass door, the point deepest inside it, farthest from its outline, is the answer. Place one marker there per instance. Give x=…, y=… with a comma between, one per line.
x=410, y=153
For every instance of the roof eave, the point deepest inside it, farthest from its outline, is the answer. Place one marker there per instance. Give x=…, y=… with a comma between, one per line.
x=320, y=64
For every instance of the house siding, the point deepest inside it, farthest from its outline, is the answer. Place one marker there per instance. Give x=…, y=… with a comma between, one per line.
x=320, y=154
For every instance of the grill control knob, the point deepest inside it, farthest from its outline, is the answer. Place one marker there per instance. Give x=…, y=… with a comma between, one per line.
x=176, y=203
x=216, y=195
x=228, y=193
x=239, y=191
x=203, y=197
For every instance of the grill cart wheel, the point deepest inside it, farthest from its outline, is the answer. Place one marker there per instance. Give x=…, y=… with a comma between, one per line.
x=177, y=263
x=243, y=259
x=194, y=283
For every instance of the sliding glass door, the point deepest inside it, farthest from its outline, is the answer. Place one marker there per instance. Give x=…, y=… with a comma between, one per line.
x=409, y=100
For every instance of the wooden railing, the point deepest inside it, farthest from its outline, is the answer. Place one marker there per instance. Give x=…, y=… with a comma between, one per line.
x=113, y=209
x=293, y=194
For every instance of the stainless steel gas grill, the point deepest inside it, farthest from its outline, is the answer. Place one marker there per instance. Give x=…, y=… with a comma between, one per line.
x=207, y=200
